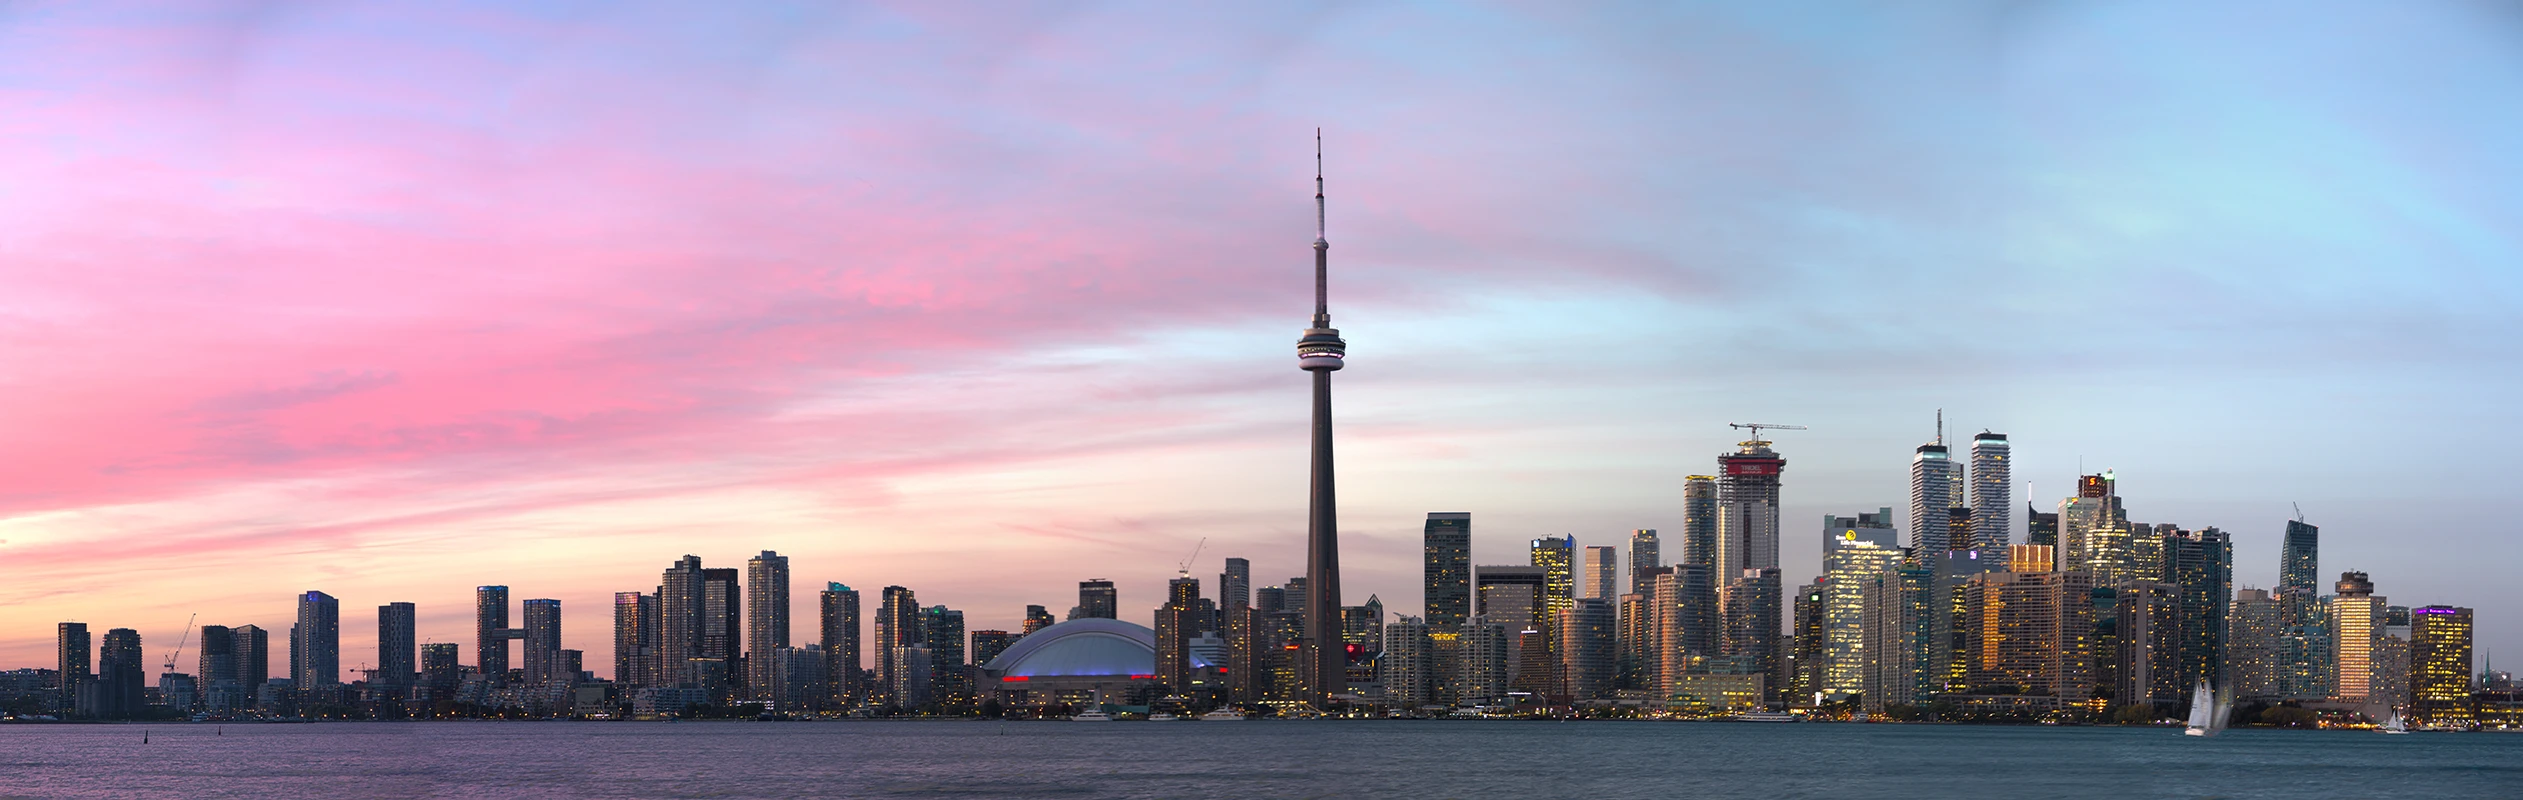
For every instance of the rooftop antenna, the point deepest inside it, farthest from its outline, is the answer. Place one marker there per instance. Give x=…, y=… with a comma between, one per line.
x=1322, y=304
x=1940, y=426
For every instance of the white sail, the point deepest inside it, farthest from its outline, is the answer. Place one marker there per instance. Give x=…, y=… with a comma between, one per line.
x=2202, y=706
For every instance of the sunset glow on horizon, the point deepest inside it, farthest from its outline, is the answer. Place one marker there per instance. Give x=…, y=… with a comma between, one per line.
x=394, y=301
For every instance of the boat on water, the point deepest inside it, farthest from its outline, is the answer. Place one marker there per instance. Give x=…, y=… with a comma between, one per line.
x=1767, y=716
x=2208, y=710
x=1092, y=715
x=1223, y=715
x=2394, y=724
x=1162, y=716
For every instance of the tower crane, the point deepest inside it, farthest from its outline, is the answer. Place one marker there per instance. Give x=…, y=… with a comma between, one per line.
x=180, y=639
x=1757, y=426
x=1184, y=569
x=2299, y=511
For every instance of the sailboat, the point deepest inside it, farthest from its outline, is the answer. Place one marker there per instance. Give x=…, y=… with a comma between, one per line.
x=2208, y=710
x=2393, y=724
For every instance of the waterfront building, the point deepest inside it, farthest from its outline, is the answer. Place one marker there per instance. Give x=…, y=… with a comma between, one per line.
x=1853, y=549
x=1512, y=598
x=1235, y=584
x=398, y=647
x=634, y=639
x=942, y=632
x=2094, y=531
x=1081, y=663
x=2252, y=647
x=1096, y=600
x=1807, y=664
x=1484, y=661
x=1933, y=476
x=897, y=627
x=2201, y=562
x=217, y=665
x=317, y=645
x=723, y=631
x=987, y=645
x=71, y=651
x=1603, y=572
x=1699, y=521
x=679, y=614
x=2356, y=620
x=543, y=643
x=490, y=633
x=1897, y=655
x=2147, y=666
x=913, y=676
x=1585, y=632
x=254, y=659
x=1405, y=668
x=797, y=679
x=2440, y=665
x=1747, y=510
x=839, y=618
x=1645, y=553
x=2304, y=625
x=1753, y=613
x=440, y=670
x=121, y=679
x=1992, y=491
x=1038, y=617
x=1719, y=693
x=766, y=622
x=2031, y=631
x=1176, y=622
x=2390, y=688
x=1446, y=569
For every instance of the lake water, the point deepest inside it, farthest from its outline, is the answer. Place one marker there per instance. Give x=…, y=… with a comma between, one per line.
x=1245, y=759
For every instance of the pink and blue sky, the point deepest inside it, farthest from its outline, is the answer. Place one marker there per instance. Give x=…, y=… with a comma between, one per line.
x=394, y=300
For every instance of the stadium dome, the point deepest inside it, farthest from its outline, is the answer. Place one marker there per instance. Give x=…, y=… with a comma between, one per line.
x=1080, y=647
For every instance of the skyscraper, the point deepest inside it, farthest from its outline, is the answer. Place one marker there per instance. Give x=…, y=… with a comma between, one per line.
x=121, y=680
x=254, y=658
x=1557, y=556
x=2356, y=620
x=766, y=620
x=1753, y=605
x=398, y=646
x=1992, y=492
x=1406, y=664
x=987, y=645
x=1854, y=550
x=1322, y=352
x=1699, y=521
x=1176, y=622
x=1806, y=661
x=2094, y=531
x=723, y=618
x=490, y=632
x=542, y=635
x=71, y=649
x=634, y=639
x=1513, y=598
x=2440, y=665
x=1038, y=618
x=439, y=669
x=1585, y=637
x=1603, y=572
x=1645, y=553
x=942, y=632
x=1897, y=661
x=679, y=610
x=897, y=629
x=2032, y=631
x=320, y=639
x=1446, y=574
x=840, y=620
x=1235, y=584
x=2299, y=573
x=2252, y=651
x=1747, y=510
x=1932, y=477
x=1096, y=600
x=221, y=690
x=2201, y=563
x=2040, y=527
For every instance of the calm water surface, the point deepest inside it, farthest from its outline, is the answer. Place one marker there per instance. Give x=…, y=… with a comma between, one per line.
x=1249, y=759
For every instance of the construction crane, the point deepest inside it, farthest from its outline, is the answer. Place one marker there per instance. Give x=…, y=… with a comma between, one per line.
x=2299, y=511
x=1184, y=569
x=1757, y=426
x=180, y=640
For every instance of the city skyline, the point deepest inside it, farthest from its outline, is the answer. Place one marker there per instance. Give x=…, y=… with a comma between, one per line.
x=517, y=319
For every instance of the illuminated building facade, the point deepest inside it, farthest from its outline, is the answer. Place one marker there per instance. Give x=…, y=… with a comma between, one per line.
x=1446, y=569
x=2252, y=648
x=2094, y=532
x=766, y=624
x=2356, y=619
x=1556, y=557
x=1896, y=654
x=1933, y=476
x=2032, y=631
x=1747, y=509
x=2440, y=665
x=1854, y=550
x=1992, y=491
x=1603, y=573
x=1645, y=553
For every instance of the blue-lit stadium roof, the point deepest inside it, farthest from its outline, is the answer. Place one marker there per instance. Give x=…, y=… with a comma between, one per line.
x=1080, y=647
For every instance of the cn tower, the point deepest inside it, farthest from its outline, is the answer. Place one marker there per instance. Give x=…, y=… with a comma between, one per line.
x=1326, y=662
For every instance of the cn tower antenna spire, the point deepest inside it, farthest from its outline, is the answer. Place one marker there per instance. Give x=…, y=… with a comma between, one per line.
x=1322, y=267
